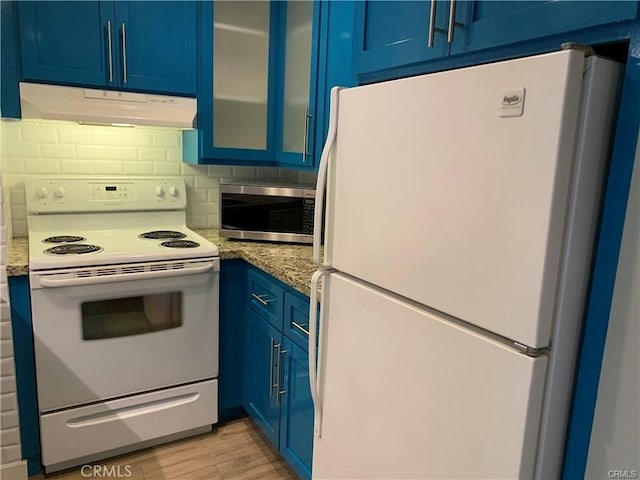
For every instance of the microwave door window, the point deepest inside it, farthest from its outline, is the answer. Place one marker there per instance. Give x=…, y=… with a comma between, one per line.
x=261, y=213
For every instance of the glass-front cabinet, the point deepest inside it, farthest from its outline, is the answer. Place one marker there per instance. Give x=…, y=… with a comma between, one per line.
x=238, y=87
x=240, y=74
x=299, y=22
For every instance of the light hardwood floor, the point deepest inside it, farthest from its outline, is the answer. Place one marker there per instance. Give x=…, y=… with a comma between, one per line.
x=236, y=450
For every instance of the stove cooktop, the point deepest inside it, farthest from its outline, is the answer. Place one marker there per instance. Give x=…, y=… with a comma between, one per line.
x=77, y=222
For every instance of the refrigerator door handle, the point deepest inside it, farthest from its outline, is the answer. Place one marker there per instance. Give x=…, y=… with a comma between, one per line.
x=322, y=180
x=315, y=373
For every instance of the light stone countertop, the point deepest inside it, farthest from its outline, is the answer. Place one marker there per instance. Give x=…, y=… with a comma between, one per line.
x=291, y=264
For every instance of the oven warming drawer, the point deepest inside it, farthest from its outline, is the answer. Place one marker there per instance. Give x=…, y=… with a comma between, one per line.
x=84, y=431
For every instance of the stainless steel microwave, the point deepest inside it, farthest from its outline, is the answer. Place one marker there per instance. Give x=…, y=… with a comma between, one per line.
x=267, y=212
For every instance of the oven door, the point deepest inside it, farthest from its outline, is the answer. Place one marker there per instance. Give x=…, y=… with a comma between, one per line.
x=106, y=332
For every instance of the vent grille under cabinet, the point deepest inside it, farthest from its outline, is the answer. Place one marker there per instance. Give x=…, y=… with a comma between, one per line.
x=107, y=271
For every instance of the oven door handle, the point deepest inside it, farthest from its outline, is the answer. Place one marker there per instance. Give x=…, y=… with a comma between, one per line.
x=125, y=277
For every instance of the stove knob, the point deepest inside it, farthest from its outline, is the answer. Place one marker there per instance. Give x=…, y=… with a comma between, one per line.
x=173, y=191
x=42, y=192
x=159, y=191
x=59, y=192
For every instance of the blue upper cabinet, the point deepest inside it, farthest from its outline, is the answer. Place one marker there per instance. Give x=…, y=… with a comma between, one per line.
x=485, y=24
x=397, y=36
x=67, y=42
x=266, y=72
x=148, y=46
x=236, y=122
x=157, y=45
x=389, y=34
x=297, y=81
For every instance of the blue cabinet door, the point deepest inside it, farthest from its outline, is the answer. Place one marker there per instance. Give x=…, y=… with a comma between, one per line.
x=20, y=299
x=157, y=45
x=232, y=292
x=238, y=87
x=486, y=24
x=389, y=34
x=296, y=421
x=297, y=81
x=68, y=42
x=261, y=398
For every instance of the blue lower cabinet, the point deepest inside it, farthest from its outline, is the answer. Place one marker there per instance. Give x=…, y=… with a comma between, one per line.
x=261, y=393
x=296, y=409
x=232, y=291
x=21, y=325
x=276, y=391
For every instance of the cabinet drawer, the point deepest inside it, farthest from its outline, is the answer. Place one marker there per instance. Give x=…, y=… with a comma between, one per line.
x=264, y=297
x=296, y=318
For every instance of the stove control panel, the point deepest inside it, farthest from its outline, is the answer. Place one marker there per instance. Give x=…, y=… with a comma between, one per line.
x=77, y=194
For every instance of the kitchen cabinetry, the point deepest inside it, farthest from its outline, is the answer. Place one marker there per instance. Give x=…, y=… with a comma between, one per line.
x=148, y=46
x=238, y=85
x=233, y=285
x=266, y=71
x=25, y=371
x=485, y=24
x=299, y=49
x=276, y=391
x=389, y=35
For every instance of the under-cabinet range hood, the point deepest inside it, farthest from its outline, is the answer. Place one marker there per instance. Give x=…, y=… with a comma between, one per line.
x=108, y=107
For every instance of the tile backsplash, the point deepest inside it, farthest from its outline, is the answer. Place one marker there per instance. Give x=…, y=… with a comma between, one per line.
x=44, y=147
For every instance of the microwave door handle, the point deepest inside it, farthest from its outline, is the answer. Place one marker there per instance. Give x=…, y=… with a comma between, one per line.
x=321, y=183
x=126, y=277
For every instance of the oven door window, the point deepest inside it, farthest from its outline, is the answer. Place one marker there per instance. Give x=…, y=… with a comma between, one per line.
x=122, y=317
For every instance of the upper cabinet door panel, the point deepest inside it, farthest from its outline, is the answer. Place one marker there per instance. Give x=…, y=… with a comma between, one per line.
x=241, y=35
x=298, y=43
x=157, y=45
x=485, y=24
x=394, y=33
x=66, y=42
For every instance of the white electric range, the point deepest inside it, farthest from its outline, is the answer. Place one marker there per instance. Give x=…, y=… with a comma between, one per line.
x=124, y=302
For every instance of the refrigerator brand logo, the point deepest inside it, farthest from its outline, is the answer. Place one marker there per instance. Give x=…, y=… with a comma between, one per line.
x=511, y=100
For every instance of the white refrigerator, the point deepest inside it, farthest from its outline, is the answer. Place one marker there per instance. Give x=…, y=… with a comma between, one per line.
x=461, y=210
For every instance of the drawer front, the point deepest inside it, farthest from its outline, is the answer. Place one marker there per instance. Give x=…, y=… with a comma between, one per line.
x=93, y=429
x=296, y=318
x=265, y=297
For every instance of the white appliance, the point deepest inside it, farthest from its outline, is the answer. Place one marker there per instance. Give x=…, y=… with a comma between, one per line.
x=109, y=107
x=461, y=211
x=124, y=301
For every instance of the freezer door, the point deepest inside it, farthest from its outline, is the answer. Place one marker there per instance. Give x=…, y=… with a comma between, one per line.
x=406, y=394
x=451, y=189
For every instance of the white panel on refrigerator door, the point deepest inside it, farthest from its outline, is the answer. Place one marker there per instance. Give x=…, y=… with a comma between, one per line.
x=439, y=198
x=408, y=394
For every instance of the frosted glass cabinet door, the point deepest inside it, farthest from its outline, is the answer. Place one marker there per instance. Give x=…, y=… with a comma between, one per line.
x=297, y=76
x=240, y=74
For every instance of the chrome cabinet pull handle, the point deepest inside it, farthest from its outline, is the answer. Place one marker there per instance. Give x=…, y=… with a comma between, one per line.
x=301, y=327
x=277, y=385
x=271, y=385
x=124, y=54
x=109, y=50
x=260, y=299
x=452, y=20
x=432, y=22
x=305, y=145
x=281, y=392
